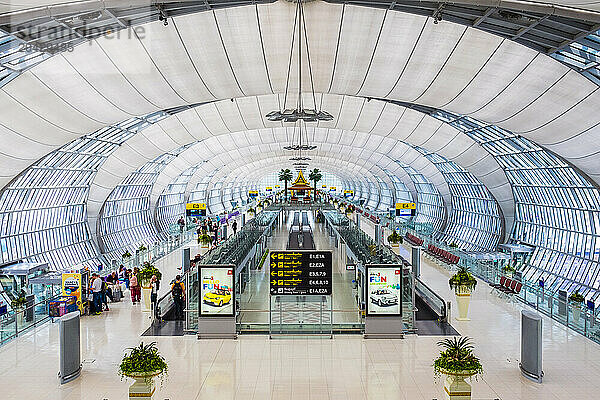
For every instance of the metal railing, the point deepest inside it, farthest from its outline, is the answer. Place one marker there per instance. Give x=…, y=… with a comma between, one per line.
x=15, y=322
x=432, y=299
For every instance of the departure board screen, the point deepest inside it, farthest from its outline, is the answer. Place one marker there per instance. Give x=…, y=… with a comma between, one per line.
x=301, y=272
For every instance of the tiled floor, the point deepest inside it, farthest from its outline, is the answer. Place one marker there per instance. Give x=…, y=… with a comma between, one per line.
x=347, y=367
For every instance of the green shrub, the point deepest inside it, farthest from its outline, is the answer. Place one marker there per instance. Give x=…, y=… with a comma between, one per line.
x=463, y=278
x=457, y=356
x=143, y=359
x=576, y=297
x=146, y=272
x=395, y=238
x=127, y=254
x=19, y=302
x=142, y=248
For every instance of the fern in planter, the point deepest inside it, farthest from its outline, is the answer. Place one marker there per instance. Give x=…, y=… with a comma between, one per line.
x=453, y=245
x=457, y=358
x=576, y=297
x=126, y=255
x=146, y=272
x=142, y=248
x=395, y=238
x=143, y=361
x=251, y=210
x=463, y=279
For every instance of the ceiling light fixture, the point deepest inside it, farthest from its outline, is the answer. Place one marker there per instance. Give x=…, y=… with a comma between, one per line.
x=300, y=113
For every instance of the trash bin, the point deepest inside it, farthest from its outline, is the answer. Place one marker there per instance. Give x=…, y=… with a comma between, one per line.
x=70, y=347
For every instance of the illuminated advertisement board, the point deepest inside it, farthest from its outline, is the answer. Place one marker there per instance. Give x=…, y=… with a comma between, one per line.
x=217, y=295
x=384, y=289
x=71, y=286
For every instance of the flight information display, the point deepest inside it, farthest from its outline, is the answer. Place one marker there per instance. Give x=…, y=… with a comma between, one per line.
x=301, y=272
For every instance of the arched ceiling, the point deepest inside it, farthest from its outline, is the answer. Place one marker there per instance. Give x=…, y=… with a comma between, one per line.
x=240, y=52
x=363, y=129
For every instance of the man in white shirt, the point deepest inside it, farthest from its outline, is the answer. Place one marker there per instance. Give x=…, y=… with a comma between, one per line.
x=97, y=293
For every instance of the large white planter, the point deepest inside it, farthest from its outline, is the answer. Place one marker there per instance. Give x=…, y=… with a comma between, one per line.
x=576, y=312
x=143, y=387
x=146, y=293
x=456, y=388
x=463, y=298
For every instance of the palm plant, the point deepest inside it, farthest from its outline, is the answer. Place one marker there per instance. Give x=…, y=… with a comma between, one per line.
x=457, y=357
x=285, y=175
x=315, y=176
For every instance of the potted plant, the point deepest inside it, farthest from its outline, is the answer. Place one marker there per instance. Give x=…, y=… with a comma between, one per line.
x=463, y=284
x=395, y=239
x=508, y=270
x=143, y=364
x=457, y=362
x=349, y=210
x=144, y=276
x=251, y=211
x=18, y=305
x=576, y=300
x=205, y=240
x=453, y=245
x=126, y=256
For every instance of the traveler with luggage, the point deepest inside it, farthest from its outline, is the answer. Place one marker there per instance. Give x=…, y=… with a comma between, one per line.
x=178, y=293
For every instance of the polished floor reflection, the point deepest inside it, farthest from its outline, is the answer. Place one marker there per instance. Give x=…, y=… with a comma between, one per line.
x=346, y=367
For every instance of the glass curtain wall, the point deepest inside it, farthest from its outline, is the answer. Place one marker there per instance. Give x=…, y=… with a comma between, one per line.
x=557, y=208
x=171, y=203
x=44, y=211
x=474, y=223
x=430, y=203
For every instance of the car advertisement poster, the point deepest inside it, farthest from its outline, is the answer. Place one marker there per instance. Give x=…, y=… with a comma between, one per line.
x=384, y=290
x=216, y=291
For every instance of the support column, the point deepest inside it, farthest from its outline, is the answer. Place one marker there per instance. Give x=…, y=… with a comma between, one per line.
x=416, y=261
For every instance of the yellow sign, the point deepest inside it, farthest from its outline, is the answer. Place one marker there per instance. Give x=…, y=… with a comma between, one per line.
x=324, y=186
x=253, y=193
x=71, y=286
x=195, y=206
x=332, y=189
x=349, y=191
x=269, y=189
x=277, y=186
x=409, y=206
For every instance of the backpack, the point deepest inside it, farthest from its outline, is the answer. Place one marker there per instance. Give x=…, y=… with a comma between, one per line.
x=177, y=290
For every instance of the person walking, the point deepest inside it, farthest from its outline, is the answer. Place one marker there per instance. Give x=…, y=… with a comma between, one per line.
x=234, y=227
x=178, y=293
x=134, y=287
x=97, y=294
x=104, y=292
x=154, y=285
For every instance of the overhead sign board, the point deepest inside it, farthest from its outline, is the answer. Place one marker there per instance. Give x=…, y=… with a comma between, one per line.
x=195, y=209
x=332, y=189
x=324, y=186
x=252, y=193
x=348, y=193
x=405, y=209
x=384, y=289
x=301, y=273
x=269, y=188
x=277, y=186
